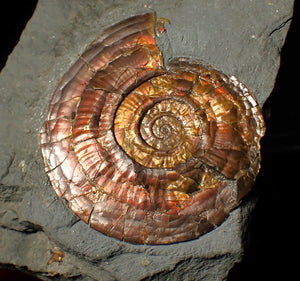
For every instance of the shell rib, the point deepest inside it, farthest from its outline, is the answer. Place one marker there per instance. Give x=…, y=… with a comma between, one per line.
x=149, y=154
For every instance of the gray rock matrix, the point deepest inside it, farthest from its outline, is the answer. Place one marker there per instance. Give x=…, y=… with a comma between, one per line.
x=241, y=38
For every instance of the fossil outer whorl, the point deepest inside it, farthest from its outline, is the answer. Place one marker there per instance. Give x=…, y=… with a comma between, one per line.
x=147, y=154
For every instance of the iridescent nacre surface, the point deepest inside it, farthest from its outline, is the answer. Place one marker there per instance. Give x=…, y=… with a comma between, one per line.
x=148, y=153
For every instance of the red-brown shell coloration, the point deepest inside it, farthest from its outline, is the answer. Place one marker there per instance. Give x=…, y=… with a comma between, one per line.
x=149, y=154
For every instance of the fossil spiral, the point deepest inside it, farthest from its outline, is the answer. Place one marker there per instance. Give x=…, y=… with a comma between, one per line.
x=147, y=153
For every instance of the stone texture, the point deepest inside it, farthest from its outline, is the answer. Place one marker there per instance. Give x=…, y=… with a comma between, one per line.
x=241, y=38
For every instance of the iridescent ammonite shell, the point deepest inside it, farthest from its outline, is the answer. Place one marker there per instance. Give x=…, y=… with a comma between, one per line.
x=146, y=153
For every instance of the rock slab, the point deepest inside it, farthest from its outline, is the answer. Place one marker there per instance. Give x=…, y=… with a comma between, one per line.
x=38, y=232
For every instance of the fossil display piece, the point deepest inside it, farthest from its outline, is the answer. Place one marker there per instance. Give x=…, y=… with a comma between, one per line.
x=147, y=153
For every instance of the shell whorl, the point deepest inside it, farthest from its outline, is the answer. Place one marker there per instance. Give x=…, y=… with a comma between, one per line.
x=146, y=153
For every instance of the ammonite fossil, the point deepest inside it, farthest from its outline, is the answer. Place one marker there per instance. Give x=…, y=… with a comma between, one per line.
x=147, y=153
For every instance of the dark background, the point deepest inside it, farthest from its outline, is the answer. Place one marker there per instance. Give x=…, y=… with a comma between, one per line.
x=270, y=239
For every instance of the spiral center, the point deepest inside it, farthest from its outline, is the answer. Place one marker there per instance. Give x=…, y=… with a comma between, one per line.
x=161, y=129
x=164, y=132
x=156, y=128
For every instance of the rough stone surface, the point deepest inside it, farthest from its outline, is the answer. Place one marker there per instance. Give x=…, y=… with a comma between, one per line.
x=241, y=38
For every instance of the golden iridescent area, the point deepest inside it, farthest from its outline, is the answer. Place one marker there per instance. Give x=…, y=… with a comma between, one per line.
x=147, y=153
x=155, y=127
